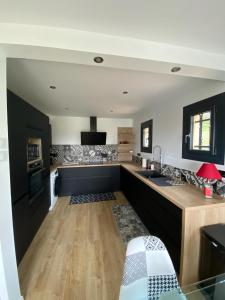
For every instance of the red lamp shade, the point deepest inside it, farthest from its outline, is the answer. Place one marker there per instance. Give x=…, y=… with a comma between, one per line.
x=208, y=171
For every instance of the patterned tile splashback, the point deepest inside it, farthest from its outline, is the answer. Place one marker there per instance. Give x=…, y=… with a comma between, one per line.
x=83, y=154
x=186, y=175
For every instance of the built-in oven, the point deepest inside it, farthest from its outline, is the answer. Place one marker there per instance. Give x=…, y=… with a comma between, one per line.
x=35, y=180
x=34, y=149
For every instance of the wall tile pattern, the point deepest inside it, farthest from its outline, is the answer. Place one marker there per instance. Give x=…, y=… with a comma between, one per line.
x=83, y=154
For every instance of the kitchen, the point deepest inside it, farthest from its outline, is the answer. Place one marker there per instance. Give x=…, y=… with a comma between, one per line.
x=112, y=147
x=60, y=160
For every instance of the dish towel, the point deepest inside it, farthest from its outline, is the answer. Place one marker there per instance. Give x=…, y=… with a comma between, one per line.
x=148, y=270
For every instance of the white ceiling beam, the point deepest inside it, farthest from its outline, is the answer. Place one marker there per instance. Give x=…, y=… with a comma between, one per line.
x=68, y=45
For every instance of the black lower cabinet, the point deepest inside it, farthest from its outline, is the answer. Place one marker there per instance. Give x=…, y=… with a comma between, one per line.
x=86, y=180
x=28, y=215
x=161, y=217
x=21, y=225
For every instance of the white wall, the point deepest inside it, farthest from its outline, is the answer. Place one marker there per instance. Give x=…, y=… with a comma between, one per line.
x=9, y=287
x=66, y=130
x=167, y=118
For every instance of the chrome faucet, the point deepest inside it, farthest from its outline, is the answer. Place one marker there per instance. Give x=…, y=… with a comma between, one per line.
x=159, y=158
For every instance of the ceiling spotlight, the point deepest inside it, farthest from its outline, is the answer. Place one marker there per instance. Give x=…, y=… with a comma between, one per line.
x=52, y=87
x=175, y=69
x=125, y=92
x=98, y=59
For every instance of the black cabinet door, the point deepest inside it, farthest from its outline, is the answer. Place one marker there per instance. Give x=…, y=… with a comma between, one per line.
x=39, y=209
x=22, y=229
x=128, y=185
x=37, y=126
x=17, y=146
x=27, y=218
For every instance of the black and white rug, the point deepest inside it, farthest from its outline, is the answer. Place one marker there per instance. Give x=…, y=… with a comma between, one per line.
x=90, y=198
x=128, y=222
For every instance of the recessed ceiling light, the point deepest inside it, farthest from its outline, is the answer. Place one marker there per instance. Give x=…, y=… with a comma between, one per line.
x=66, y=108
x=98, y=59
x=175, y=69
x=52, y=87
x=111, y=110
x=125, y=92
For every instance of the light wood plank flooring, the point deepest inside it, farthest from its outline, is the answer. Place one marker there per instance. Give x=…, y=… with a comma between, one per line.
x=76, y=254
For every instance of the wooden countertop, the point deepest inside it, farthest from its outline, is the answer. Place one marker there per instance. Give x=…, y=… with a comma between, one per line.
x=185, y=197
x=82, y=165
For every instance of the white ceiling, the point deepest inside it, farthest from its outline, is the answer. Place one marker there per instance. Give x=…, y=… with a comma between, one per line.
x=92, y=90
x=190, y=23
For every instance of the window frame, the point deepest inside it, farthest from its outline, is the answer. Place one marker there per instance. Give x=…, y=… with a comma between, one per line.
x=147, y=124
x=216, y=105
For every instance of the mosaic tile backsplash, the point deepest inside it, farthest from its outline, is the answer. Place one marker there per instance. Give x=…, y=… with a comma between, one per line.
x=186, y=175
x=83, y=154
x=103, y=153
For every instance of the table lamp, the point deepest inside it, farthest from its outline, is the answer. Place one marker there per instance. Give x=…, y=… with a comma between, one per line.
x=209, y=172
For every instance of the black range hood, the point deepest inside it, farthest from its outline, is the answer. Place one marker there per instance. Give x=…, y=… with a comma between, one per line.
x=93, y=137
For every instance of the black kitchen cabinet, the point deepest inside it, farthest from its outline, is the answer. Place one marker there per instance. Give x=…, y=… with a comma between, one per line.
x=25, y=121
x=85, y=180
x=17, y=146
x=162, y=218
x=21, y=224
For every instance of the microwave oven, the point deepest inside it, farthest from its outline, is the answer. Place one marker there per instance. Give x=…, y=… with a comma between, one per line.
x=33, y=152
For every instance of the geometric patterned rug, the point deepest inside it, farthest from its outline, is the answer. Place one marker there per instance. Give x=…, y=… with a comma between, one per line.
x=89, y=198
x=128, y=222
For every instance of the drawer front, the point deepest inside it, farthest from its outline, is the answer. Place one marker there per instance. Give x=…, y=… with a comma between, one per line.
x=125, y=148
x=167, y=222
x=171, y=208
x=154, y=226
x=124, y=156
x=84, y=171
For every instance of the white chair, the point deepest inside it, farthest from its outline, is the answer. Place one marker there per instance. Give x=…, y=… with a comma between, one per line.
x=148, y=270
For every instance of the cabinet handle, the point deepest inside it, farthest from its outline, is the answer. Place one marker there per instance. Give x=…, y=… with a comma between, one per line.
x=214, y=244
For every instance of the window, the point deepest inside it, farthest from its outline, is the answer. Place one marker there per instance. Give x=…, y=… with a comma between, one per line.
x=201, y=131
x=146, y=136
x=204, y=130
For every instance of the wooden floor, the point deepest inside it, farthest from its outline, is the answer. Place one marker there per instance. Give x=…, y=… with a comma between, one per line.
x=77, y=254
